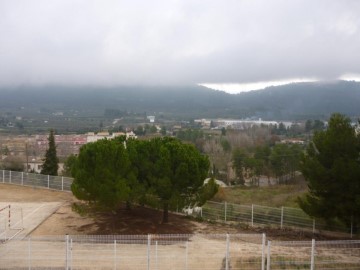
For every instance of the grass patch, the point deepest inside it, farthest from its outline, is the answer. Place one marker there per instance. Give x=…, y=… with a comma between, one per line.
x=80, y=208
x=273, y=196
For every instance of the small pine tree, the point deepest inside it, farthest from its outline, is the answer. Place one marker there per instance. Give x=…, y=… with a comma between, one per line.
x=51, y=161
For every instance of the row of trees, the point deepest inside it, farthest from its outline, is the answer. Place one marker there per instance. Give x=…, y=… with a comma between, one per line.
x=280, y=161
x=148, y=172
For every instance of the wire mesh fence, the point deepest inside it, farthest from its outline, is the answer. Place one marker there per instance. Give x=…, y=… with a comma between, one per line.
x=282, y=217
x=313, y=255
x=135, y=252
x=181, y=251
x=36, y=180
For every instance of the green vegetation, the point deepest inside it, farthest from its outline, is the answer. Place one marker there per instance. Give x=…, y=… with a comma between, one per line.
x=82, y=109
x=68, y=165
x=331, y=168
x=103, y=174
x=285, y=161
x=272, y=196
x=190, y=135
x=149, y=172
x=51, y=161
x=239, y=165
x=281, y=161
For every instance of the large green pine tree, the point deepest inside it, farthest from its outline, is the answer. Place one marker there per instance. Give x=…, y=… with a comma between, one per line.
x=331, y=168
x=170, y=171
x=51, y=161
x=103, y=174
x=161, y=170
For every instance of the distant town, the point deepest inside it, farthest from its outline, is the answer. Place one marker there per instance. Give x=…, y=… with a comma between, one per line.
x=26, y=152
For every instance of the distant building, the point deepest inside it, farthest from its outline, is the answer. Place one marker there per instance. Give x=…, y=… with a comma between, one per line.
x=292, y=141
x=92, y=137
x=35, y=166
x=131, y=135
x=65, y=144
x=203, y=122
x=151, y=118
x=238, y=123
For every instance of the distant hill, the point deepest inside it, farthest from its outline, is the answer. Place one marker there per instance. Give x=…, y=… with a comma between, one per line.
x=304, y=100
x=287, y=102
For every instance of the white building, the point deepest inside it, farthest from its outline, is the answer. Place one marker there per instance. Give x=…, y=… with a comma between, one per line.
x=92, y=137
x=151, y=118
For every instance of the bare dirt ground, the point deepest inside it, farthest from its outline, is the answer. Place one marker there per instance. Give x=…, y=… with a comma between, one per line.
x=139, y=220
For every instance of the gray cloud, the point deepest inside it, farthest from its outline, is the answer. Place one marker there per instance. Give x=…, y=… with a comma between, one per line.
x=176, y=41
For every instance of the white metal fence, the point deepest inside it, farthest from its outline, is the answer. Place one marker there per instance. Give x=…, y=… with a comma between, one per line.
x=222, y=251
x=283, y=217
x=36, y=180
x=313, y=255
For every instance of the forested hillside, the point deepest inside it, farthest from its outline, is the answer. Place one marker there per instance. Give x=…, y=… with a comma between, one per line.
x=288, y=102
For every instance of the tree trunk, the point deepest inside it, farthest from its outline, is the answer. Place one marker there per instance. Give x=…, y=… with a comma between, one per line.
x=165, y=212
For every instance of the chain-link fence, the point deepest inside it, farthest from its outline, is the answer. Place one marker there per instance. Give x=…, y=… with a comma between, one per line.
x=217, y=251
x=36, y=180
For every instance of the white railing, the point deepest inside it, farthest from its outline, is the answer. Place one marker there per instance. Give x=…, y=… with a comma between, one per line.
x=36, y=180
x=182, y=251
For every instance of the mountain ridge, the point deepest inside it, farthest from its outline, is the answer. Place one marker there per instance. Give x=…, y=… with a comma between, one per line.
x=294, y=101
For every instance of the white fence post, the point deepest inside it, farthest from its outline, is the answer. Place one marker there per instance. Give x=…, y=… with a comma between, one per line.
x=3, y=176
x=225, y=208
x=67, y=252
x=282, y=217
x=312, y=266
x=227, y=251
x=22, y=178
x=29, y=255
x=70, y=256
x=115, y=255
x=10, y=177
x=148, y=252
x=252, y=215
x=186, y=254
x=62, y=183
x=156, y=254
x=48, y=181
x=268, y=256
x=263, y=251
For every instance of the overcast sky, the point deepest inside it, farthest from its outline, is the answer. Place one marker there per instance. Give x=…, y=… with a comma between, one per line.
x=177, y=41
